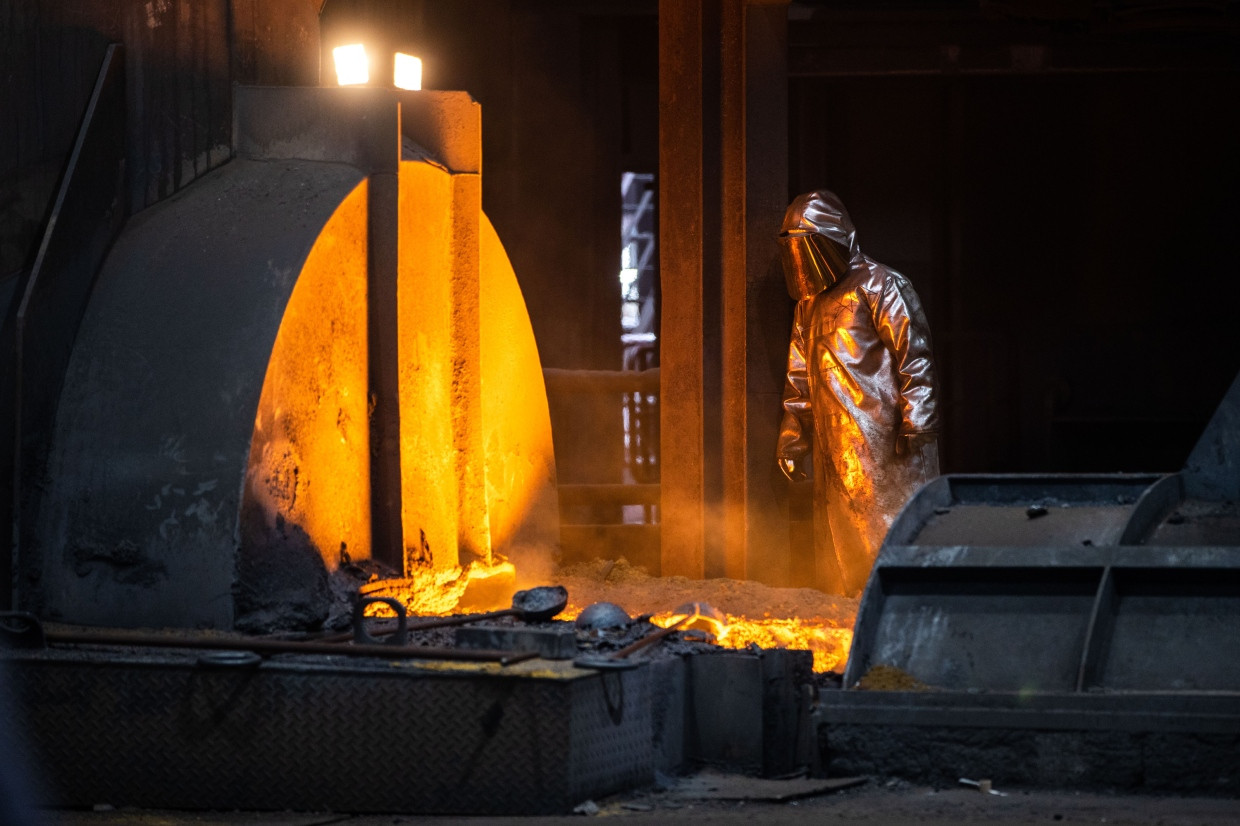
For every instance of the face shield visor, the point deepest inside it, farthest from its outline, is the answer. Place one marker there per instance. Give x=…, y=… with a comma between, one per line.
x=812, y=263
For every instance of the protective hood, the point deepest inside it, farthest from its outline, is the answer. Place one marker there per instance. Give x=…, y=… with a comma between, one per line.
x=817, y=243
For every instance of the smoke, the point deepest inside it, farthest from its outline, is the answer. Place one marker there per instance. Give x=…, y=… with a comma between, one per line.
x=535, y=564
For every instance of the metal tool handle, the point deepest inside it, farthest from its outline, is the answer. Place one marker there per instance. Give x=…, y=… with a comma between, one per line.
x=647, y=640
x=19, y=629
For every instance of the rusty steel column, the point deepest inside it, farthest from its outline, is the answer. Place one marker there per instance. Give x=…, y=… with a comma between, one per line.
x=473, y=529
x=722, y=129
x=754, y=170
x=681, y=410
x=382, y=270
x=733, y=271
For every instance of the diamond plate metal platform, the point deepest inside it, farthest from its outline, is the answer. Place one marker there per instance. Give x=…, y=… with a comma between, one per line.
x=169, y=730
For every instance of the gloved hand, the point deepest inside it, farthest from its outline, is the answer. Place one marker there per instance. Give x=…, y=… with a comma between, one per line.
x=791, y=468
x=909, y=444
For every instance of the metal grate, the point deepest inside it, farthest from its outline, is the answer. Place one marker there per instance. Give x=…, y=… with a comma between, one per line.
x=320, y=734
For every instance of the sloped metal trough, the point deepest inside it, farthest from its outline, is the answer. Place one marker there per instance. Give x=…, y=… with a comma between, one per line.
x=1067, y=630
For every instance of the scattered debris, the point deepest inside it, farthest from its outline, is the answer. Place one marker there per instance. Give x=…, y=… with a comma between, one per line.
x=587, y=808
x=983, y=786
x=601, y=616
x=713, y=785
x=890, y=678
x=1034, y=511
x=663, y=782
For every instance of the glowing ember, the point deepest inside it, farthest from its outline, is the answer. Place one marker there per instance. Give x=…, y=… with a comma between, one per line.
x=736, y=613
x=754, y=613
x=829, y=645
x=436, y=593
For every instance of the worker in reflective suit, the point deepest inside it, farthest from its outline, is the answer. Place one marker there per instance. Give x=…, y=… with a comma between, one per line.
x=860, y=390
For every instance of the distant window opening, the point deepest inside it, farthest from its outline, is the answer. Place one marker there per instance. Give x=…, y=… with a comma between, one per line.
x=637, y=265
x=639, y=333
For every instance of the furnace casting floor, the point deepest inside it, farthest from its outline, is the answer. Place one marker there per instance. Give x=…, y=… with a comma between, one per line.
x=894, y=803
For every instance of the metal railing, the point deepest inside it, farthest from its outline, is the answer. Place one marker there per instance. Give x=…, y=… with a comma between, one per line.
x=635, y=536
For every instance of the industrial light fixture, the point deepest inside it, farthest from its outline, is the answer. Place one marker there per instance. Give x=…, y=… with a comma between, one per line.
x=407, y=72
x=376, y=43
x=352, y=64
x=353, y=67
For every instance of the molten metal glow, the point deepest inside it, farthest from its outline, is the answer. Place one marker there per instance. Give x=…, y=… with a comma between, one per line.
x=309, y=470
x=436, y=592
x=439, y=592
x=352, y=65
x=829, y=645
x=408, y=72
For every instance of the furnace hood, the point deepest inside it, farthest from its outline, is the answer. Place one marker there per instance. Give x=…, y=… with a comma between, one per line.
x=211, y=455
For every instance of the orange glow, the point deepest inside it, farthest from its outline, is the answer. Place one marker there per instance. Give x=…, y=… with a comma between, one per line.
x=523, y=508
x=828, y=643
x=437, y=592
x=518, y=506
x=308, y=477
x=428, y=462
x=308, y=480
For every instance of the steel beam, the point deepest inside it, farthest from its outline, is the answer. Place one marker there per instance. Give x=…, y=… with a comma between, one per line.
x=681, y=171
x=723, y=180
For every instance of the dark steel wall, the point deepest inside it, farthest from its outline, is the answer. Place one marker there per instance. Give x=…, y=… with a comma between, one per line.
x=1065, y=210
x=569, y=102
x=1016, y=197
x=181, y=60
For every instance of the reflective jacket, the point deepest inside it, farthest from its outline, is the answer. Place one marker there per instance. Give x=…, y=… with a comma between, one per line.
x=860, y=376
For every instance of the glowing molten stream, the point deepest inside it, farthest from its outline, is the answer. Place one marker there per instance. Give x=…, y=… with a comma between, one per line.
x=829, y=645
x=819, y=623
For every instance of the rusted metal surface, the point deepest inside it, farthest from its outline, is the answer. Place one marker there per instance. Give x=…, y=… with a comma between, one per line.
x=682, y=408
x=754, y=176
x=723, y=136
x=560, y=380
x=620, y=494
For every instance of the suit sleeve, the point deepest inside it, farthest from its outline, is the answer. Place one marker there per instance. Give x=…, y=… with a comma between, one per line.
x=903, y=328
x=797, y=426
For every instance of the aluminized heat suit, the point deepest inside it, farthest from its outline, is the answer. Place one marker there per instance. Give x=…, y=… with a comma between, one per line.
x=860, y=389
